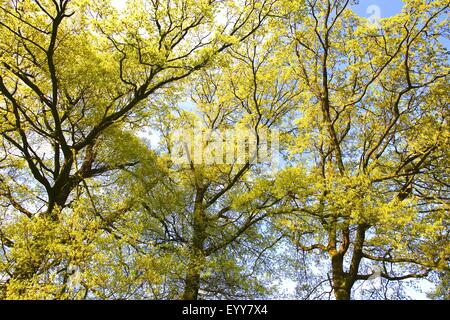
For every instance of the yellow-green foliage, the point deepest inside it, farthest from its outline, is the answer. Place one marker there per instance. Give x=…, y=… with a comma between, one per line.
x=89, y=210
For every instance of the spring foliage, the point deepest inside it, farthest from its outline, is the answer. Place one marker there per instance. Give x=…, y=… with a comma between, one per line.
x=91, y=208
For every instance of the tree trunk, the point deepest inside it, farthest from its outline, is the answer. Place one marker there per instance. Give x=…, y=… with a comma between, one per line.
x=342, y=293
x=197, y=254
x=192, y=281
x=342, y=286
x=341, y=282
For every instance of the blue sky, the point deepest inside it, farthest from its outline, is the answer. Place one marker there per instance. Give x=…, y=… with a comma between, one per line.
x=387, y=7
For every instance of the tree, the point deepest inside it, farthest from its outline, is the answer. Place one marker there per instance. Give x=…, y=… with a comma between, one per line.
x=210, y=217
x=372, y=142
x=74, y=74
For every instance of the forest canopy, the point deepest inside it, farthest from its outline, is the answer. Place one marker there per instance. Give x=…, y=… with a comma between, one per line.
x=223, y=149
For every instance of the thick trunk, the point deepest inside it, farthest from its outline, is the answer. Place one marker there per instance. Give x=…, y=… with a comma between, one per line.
x=63, y=186
x=195, y=266
x=192, y=280
x=342, y=284
x=342, y=293
x=197, y=254
x=58, y=196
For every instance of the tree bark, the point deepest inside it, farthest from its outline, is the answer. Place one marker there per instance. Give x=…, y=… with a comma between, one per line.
x=341, y=283
x=342, y=293
x=197, y=254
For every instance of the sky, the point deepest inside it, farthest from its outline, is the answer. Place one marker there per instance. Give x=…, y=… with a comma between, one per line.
x=387, y=8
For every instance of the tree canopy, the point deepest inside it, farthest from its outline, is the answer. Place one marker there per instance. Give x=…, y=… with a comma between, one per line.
x=179, y=149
